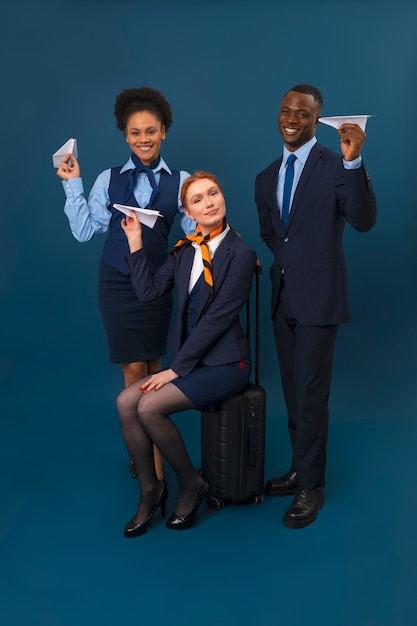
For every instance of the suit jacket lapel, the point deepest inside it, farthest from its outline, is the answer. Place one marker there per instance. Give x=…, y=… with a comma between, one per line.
x=275, y=214
x=313, y=158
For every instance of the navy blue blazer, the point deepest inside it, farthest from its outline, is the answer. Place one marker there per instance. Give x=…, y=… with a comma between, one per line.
x=217, y=337
x=309, y=251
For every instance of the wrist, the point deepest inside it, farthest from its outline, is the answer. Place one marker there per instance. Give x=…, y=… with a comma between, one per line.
x=135, y=244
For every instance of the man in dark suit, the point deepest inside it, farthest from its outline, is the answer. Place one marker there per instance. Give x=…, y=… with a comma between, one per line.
x=303, y=204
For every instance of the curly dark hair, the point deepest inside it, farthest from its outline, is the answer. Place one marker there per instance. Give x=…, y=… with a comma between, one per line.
x=141, y=99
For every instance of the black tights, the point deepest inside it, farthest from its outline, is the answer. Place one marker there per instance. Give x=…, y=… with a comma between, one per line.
x=145, y=421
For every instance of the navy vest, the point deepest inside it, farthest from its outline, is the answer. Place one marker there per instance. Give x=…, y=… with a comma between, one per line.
x=155, y=240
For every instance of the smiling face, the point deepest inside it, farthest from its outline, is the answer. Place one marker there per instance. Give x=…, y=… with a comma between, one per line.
x=204, y=203
x=144, y=133
x=297, y=119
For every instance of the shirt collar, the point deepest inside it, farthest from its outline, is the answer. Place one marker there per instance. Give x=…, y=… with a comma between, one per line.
x=129, y=165
x=301, y=153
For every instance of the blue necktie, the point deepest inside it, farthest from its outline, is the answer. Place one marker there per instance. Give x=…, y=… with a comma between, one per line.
x=289, y=177
x=140, y=167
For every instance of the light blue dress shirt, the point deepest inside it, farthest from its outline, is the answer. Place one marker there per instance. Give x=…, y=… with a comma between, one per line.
x=92, y=218
x=302, y=154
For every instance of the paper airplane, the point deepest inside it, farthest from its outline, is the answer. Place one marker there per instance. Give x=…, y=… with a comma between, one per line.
x=337, y=120
x=145, y=216
x=69, y=146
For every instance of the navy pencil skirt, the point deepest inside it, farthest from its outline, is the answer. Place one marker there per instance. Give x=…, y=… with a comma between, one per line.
x=136, y=331
x=207, y=385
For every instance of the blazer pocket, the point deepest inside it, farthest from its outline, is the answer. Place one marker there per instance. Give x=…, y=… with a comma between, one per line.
x=327, y=264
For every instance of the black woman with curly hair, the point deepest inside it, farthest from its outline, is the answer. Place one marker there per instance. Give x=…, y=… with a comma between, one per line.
x=136, y=332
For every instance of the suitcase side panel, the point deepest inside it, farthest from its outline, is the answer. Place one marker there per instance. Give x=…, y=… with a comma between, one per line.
x=220, y=447
x=233, y=445
x=253, y=441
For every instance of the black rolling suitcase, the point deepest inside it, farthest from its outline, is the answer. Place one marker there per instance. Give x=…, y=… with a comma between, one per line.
x=233, y=437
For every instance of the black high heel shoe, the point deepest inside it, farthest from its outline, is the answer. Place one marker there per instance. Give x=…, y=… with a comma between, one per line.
x=182, y=522
x=135, y=529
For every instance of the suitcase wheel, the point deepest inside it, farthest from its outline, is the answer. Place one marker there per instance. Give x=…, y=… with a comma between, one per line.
x=216, y=503
x=258, y=499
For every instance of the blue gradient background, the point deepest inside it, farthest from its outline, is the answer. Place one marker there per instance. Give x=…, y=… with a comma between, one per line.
x=65, y=493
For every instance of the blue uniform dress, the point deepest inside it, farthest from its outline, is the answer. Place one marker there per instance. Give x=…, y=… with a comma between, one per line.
x=135, y=331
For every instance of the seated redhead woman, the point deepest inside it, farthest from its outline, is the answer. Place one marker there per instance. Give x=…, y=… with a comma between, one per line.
x=211, y=272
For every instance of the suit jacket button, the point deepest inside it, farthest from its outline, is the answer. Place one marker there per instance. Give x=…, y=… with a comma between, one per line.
x=286, y=239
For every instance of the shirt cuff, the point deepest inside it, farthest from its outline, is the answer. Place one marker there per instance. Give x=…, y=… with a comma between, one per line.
x=353, y=165
x=73, y=186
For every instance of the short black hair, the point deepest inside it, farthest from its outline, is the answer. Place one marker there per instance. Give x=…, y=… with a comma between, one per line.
x=310, y=90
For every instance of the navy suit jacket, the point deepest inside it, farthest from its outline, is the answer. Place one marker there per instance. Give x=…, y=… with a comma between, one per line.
x=217, y=337
x=308, y=251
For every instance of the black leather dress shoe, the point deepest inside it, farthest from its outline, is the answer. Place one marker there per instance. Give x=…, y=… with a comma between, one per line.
x=305, y=507
x=283, y=485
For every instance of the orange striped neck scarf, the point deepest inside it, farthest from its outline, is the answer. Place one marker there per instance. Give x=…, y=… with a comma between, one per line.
x=202, y=241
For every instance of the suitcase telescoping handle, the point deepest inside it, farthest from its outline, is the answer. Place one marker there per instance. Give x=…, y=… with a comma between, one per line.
x=258, y=272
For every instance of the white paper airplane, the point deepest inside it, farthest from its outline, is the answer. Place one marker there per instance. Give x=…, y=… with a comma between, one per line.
x=69, y=146
x=337, y=120
x=146, y=216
